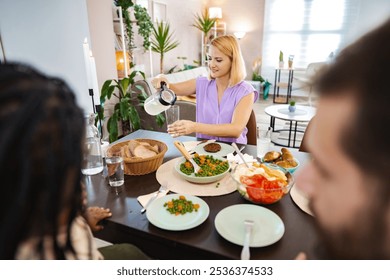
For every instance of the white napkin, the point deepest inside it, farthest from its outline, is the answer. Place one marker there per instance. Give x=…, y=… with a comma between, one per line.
x=236, y=159
x=190, y=145
x=143, y=199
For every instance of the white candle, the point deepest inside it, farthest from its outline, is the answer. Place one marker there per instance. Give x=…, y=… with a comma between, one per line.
x=95, y=86
x=87, y=63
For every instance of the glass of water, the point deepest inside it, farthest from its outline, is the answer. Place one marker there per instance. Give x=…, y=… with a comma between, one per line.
x=263, y=141
x=172, y=114
x=115, y=170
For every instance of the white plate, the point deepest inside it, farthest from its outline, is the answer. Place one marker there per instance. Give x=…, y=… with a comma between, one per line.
x=225, y=149
x=268, y=227
x=300, y=199
x=160, y=217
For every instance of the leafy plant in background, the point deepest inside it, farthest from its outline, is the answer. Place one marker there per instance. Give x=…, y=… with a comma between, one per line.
x=280, y=56
x=256, y=76
x=143, y=21
x=145, y=25
x=125, y=112
x=162, y=41
x=204, y=23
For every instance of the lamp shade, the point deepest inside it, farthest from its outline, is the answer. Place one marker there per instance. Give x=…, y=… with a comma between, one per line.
x=120, y=63
x=215, y=12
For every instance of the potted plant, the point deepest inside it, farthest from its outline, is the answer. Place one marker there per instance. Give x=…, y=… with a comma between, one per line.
x=204, y=23
x=143, y=21
x=292, y=107
x=125, y=109
x=257, y=77
x=281, y=61
x=162, y=41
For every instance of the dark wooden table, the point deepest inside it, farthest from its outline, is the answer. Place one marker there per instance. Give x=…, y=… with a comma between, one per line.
x=203, y=242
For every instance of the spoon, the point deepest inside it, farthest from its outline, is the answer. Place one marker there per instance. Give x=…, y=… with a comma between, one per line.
x=184, y=152
x=240, y=154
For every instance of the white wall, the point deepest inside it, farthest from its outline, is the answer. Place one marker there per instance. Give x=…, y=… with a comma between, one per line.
x=248, y=17
x=180, y=15
x=371, y=14
x=102, y=39
x=49, y=36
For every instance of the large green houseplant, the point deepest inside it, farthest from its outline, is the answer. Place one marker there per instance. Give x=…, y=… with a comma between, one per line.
x=143, y=21
x=162, y=41
x=125, y=109
x=204, y=23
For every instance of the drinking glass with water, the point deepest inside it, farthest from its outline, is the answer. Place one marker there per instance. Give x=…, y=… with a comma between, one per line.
x=263, y=141
x=115, y=170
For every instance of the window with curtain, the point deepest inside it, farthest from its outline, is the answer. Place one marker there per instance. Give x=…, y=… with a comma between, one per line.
x=311, y=30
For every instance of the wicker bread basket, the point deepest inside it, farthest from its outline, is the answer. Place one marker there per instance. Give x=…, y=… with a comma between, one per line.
x=145, y=165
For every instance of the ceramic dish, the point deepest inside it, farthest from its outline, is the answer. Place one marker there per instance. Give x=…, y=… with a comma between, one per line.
x=161, y=218
x=225, y=149
x=300, y=199
x=200, y=180
x=268, y=227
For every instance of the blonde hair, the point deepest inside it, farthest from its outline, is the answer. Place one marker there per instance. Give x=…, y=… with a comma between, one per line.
x=229, y=46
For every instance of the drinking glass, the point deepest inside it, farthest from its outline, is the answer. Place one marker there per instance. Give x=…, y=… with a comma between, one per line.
x=263, y=141
x=115, y=170
x=172, y=115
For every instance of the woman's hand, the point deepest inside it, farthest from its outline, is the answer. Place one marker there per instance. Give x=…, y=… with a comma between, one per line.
x=93, y=215
x=156, y=81
x=182, y=127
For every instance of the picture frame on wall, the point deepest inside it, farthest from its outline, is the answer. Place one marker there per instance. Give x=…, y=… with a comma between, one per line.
x=159, y=12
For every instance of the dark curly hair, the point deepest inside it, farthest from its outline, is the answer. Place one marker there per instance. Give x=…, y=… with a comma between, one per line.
x=41, y=130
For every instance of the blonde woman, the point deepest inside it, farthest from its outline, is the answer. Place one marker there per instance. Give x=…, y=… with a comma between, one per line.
x=223, y=100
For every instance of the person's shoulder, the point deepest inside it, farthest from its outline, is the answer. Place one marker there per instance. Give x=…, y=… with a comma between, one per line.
x=203, y=79
x=244, y=88
x=244, y=85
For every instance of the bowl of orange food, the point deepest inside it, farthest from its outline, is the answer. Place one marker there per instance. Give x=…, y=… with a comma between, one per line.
x=262, y=183
x=213, y=169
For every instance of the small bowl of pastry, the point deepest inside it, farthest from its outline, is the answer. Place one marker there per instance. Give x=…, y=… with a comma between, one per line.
x=284, y=159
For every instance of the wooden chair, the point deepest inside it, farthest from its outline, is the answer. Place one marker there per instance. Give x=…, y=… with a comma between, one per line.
x=251, y=126
x=303, y=147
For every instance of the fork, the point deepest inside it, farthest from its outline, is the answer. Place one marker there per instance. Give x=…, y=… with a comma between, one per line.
x=160, y=190
x=245, y=254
